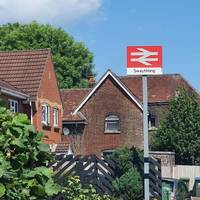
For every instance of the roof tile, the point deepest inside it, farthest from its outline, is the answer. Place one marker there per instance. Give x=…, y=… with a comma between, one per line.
x=24, y=69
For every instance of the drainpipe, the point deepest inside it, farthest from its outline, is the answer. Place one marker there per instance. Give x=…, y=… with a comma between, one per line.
x=30, y=103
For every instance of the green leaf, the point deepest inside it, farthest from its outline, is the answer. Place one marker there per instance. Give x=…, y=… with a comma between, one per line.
x=51, y=188
x=44, y=147
x=18, y=143
x=2, y=190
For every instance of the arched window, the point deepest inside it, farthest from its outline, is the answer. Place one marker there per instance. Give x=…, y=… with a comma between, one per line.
x=112, y=124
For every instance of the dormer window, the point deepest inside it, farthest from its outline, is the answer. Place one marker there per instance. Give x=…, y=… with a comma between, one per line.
x=45, y=114
x=112, y=124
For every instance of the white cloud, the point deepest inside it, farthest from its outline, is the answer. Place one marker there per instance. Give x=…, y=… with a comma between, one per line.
x=57, y=12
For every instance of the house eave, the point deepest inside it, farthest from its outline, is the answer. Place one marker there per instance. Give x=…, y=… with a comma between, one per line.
x=14, y=93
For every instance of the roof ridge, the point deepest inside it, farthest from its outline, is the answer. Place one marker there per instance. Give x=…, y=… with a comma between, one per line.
x=70, y=89
x=173, y=74
x=24, y=50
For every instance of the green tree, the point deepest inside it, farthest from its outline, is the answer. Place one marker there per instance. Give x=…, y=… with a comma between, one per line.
x=72, y=60
x=129, y=186
x=179, y=131
x=129, y=182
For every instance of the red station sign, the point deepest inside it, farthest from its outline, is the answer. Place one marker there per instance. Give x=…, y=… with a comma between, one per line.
x=144, y=60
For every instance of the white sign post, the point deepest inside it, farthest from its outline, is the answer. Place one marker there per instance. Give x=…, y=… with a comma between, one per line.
x=144, y=60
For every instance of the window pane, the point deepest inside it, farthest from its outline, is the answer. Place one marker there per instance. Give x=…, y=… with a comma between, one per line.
x=55, y=116
x=44, y=114
x=48, y=114
x=112, y=118
x=13, y=105
x=16, y=107
x=112, y=126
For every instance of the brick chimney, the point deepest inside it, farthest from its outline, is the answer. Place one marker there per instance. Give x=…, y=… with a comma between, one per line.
x=91, y=81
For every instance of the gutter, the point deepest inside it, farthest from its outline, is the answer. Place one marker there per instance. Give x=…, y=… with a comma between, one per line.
x=14, y=93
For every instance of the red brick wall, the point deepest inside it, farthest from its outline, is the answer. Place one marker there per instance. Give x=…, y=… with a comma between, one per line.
x=48, y=93
x=108, y=99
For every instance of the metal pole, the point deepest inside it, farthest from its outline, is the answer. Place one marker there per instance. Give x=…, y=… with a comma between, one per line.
x=146, y=140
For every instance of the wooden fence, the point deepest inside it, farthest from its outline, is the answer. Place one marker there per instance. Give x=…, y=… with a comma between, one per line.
x=92, y=170
x=101, y=172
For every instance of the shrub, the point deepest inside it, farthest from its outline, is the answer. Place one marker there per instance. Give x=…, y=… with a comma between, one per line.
x=129, y=186
x=129, y=182
x=75, y=191
x=23, y=159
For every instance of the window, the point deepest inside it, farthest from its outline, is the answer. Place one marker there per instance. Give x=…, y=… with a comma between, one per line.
x=45, y=114
x=152, y=121
x=13, y=105
x=106, y=153
x=55, y=116
x=112, y=123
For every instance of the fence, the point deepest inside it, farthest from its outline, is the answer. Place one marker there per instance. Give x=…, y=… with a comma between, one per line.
x=91, y=170
x=101, y=172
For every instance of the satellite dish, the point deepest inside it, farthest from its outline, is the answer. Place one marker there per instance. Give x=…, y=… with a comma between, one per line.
x=66, y=131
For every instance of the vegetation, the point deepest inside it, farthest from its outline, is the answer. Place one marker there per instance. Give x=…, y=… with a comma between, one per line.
x=129, y=182
x=75, y=191
x=129, y=185
x=180, y=129
x=23, y=161
x=72, y=60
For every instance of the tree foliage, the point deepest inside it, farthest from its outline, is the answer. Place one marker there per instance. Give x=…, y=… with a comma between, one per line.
x=129, y=186
x=72, y=60
x=180, y=129
x=23, y=159
x=129, y=182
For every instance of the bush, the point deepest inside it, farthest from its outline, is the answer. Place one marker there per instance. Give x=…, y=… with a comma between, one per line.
x=23, y=159
x=129, y=183
x=75, y=191
x=129, y=186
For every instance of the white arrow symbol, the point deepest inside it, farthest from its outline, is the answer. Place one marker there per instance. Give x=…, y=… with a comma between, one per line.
x=144, y=56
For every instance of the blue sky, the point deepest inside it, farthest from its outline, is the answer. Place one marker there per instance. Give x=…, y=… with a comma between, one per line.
x=107, y=27
x=173, y=24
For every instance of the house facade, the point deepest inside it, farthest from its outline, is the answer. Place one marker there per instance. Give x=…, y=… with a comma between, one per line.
x=31, y=80
x=108, y=116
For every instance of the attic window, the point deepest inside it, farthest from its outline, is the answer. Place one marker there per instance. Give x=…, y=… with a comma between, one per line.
x=112, y=124
x=45, y=114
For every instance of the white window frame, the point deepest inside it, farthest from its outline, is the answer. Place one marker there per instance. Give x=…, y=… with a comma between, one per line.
x=112, y=119
x=55, y=117
x=14, y=108
x=47, y=113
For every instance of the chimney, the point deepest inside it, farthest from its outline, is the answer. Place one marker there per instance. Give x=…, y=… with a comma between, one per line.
x=91, y=81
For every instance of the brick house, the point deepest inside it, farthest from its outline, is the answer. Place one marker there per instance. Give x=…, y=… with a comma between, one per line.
x=28, y=85
x=100, y=119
